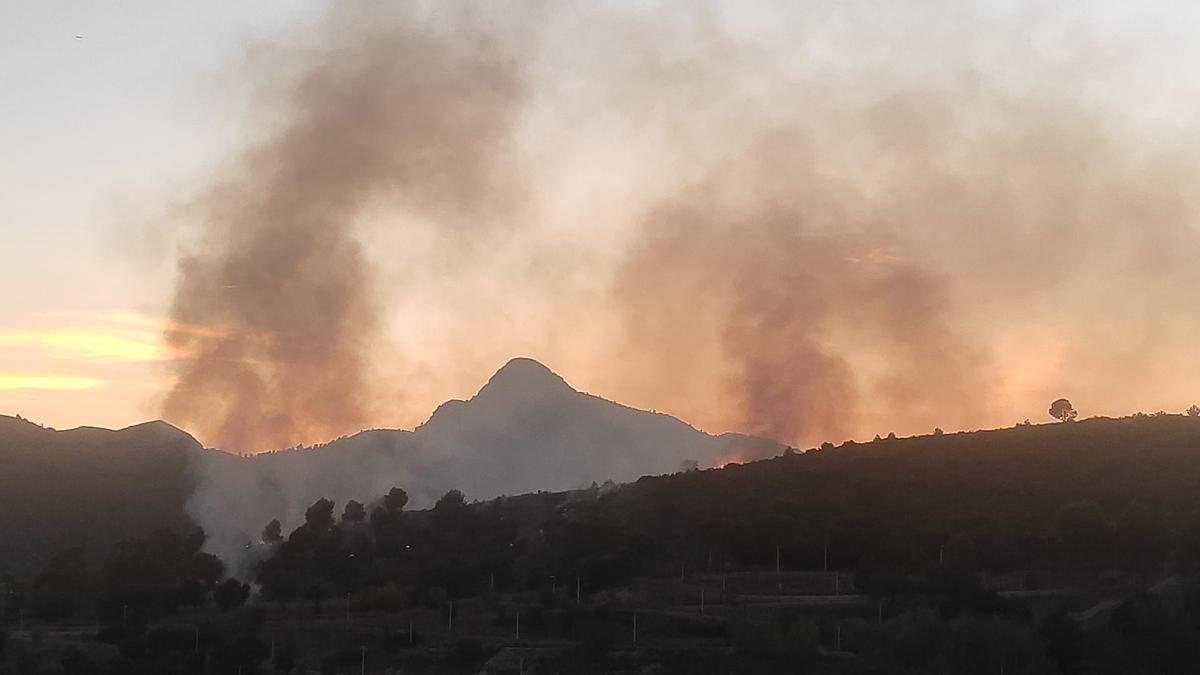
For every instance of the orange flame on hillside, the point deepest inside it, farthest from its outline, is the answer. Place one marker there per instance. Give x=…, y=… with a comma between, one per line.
x=723, y=462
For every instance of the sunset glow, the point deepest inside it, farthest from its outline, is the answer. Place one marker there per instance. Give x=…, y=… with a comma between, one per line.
x=674, y=337
x=956, y=230
x=47, y=382
x=90, y=344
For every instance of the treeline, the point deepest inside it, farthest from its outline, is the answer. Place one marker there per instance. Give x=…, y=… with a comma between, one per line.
x=461, y=550
x=921, y=525
x=1079, y=497
x=949, y=538
x=130, y=602
x=159, y=574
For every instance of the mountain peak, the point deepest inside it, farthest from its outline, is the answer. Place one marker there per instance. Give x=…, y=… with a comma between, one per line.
x=525, y=377
x=162, y=431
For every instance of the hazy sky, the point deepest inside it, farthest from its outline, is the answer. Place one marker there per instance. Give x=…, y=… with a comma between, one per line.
x=826, y=220
x=99, y=134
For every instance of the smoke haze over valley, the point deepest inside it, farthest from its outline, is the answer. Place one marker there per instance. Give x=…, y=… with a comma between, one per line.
x=526, y=430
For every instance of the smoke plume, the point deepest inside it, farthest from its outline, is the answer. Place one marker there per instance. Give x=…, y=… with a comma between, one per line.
x=394, y=108
x=809, y=223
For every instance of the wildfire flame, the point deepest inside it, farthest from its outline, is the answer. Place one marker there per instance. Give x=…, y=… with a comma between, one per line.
x=723, y=462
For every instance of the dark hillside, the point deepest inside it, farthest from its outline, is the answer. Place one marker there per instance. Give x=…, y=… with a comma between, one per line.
x=1070, y=548
x=1006, y=483
x=1099, y=494
x=1053, y=548
x=88, y=487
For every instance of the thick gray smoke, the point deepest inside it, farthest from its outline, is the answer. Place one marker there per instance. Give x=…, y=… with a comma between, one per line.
x=905, y=218
x=404, y=108
x=808, y=222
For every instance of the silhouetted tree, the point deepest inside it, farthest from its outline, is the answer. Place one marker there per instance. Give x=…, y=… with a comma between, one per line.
x=1193, y=411
x=453, y=515
x=273, y=532
x=452, y=501
x=206, y=568
x=231, y=594
x=162, y=571
x=1063, y=411
x=319, y=516
x=395, y=499
x=354, y=512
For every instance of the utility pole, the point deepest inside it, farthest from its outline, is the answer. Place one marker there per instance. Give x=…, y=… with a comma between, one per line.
x=347, y=609
x=825, y=564
x=839, y=636
x=837, y=582
x=577, y=584
x=492, y=581
x=635, y=626
x=362, y=668
x=410, y=640
x=518, y=624
x=450, y=618
x=776, y=558
x=701, y=599
x=722, y=589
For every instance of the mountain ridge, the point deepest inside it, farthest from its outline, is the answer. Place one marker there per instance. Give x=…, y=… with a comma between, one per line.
x=526, y=429
x=89, y=486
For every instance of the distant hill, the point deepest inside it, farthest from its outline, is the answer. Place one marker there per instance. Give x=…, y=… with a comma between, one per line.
x=525, y=430
x=1009, y=482
x=1098, y=494
x=88, y=486
x=1058, y=548
x=1077, y=540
